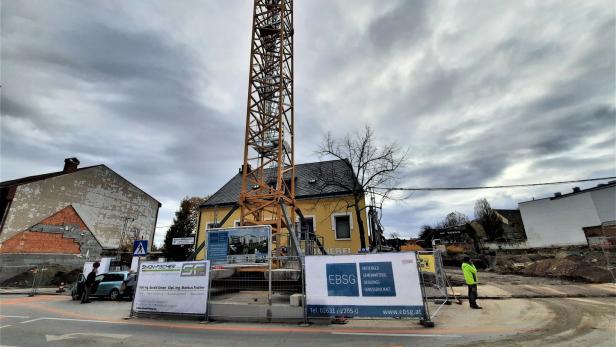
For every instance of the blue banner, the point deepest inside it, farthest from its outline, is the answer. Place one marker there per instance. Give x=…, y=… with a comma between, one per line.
x=377, y=279
x=217, y=244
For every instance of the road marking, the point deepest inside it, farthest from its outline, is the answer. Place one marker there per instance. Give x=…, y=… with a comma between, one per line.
x=71, y=320
x=3, y=315
x=380, y=334
x=50, y=338
x=5, y=326
x=590, y=301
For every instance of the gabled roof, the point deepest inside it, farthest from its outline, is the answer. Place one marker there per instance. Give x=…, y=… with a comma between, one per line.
x=35, y=178
x=312, y=180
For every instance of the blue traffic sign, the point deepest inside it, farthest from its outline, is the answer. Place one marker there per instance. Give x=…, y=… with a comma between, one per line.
x=140, y=247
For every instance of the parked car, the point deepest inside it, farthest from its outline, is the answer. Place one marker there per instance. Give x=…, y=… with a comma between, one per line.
x=114, y=285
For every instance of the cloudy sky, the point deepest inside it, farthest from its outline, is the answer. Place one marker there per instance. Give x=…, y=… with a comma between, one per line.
x=481, y=92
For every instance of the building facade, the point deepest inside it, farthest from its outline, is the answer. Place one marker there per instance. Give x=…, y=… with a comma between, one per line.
x=75, y=214
x=327, y=208
x=561, y=220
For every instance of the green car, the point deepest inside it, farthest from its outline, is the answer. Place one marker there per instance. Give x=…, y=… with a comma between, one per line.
x=113, y=285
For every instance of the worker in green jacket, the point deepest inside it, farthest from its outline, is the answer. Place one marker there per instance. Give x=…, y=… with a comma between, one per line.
x=470, y=276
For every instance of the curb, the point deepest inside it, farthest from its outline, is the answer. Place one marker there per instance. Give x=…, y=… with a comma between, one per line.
x=28, y=292
x=533, y=296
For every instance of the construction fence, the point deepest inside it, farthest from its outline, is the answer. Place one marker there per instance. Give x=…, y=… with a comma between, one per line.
x=292, y=288
x=437, y=287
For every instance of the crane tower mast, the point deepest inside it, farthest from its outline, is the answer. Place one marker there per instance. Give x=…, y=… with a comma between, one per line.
x=268, y=172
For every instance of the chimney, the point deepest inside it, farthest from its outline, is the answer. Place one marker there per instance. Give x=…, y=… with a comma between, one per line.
x=70, y=165
x=576, y=189
x=241, y=170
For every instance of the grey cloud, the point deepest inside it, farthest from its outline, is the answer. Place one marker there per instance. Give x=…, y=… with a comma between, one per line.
x=113, y=83
x=403, y=25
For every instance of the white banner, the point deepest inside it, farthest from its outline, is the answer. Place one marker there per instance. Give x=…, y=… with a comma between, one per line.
x=365, y=285
x=179, y=241
x=105, y=263
x=173, y=287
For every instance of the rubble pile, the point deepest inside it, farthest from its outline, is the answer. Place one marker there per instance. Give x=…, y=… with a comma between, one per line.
x=577, y=265
x=52, y=276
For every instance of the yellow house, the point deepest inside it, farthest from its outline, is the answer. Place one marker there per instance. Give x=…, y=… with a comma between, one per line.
x=327, y=208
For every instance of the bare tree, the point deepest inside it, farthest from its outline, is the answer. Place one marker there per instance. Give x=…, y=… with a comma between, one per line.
x=488, y=218
x=453, y=219
x=366, y=163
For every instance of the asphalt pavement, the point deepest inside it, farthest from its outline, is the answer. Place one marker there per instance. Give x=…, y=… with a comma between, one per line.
x=59, y=321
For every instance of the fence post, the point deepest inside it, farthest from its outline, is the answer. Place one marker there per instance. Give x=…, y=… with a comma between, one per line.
x=132, y=304
x=209, y=291
x=269, y=281
x=35, y=275
x=305, y=306
x=426, y=321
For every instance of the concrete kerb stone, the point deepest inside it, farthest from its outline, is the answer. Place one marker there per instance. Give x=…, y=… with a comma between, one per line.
x=503, y=294
x=26, y=291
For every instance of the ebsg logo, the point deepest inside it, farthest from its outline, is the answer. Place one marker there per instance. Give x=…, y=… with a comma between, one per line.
x=342, y=279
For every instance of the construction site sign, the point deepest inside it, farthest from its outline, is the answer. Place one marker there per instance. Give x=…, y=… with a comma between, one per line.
x=370, y=285
x=239, y=245
x=180, y=241
x=173, y=287
x=427, y=263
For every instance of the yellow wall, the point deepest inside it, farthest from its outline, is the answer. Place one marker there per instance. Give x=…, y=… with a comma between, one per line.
x=321, y=210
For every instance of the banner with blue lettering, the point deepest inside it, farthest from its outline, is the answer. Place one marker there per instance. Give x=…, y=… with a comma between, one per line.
x=364, y=285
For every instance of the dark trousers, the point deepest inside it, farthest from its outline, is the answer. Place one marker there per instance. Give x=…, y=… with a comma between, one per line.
x=472, y=294
x=85, y=296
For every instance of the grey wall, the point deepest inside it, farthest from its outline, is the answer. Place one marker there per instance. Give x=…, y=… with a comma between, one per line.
x=605, y=203
x=559, y=222
x=102, y=198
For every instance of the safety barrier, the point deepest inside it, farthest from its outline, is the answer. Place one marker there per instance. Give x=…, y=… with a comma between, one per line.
x=32, y=281
x=292, y=288
x=434, y=280
x=258, y=291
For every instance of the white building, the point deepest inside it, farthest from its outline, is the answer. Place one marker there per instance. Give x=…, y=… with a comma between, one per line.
x=558, y=220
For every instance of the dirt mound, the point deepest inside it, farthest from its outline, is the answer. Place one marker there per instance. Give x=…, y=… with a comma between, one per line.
x=53, y=275
x=566, y=268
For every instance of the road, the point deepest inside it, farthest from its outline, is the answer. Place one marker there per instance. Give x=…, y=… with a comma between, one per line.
x=58, y=321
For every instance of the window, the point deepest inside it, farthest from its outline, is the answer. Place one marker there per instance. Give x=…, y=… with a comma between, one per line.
x=211, y=225
x=342, y=226
x=306, y=228
x=236, y=223
x=113, y=278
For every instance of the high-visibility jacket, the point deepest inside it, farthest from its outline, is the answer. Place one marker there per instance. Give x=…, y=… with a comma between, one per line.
x=470, y=273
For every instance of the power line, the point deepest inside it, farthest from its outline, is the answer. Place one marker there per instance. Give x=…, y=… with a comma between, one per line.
x=497, y=187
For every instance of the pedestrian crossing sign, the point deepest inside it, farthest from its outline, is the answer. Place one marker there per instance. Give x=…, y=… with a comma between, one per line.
x=140, y=248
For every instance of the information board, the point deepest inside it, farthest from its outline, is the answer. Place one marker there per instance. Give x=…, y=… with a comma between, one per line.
x=369, y=285
x=427, y=263
x=172, y=287
x=179, y=241
x=239, y=245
